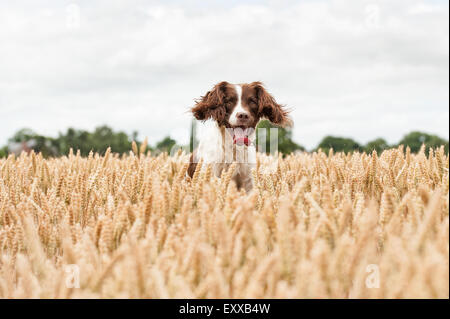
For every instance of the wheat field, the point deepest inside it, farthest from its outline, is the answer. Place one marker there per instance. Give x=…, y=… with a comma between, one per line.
x=314, y=226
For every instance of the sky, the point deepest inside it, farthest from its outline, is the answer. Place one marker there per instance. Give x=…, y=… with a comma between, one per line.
x=352, y=68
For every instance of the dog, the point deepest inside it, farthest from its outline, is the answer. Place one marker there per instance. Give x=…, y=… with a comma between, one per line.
x=229, y=114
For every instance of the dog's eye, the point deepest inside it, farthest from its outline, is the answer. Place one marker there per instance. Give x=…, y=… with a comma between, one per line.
x=227, y=100
x=252, y=102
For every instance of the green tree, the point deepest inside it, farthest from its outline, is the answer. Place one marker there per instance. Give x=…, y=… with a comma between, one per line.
x=378, y=145
x=39, y=143
x=165, y=145
x=75, y=139
x=285, y=143
x=339, y=144
x=104, y=137
x=97, y=141
x=3, y=152
x=415, y=140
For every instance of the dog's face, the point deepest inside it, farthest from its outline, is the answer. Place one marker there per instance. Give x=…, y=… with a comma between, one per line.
x=240, y=106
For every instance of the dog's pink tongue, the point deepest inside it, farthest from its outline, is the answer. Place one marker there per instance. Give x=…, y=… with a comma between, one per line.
x=240, y=137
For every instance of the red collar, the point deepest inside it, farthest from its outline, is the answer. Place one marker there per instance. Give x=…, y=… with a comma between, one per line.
x=241, y=141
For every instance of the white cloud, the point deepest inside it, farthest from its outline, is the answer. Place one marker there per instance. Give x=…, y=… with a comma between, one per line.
x=362, y=69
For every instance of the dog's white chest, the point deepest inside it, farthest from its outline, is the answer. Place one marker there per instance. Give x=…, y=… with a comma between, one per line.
x=216, y=147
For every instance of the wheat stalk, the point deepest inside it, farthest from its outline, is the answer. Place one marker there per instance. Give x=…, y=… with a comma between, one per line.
x=135, y=226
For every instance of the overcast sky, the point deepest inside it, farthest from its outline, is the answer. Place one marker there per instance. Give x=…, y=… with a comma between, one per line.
x=355, y=68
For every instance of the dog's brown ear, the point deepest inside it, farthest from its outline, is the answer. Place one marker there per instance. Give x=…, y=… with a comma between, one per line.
x=269, y=108
x=212, y=104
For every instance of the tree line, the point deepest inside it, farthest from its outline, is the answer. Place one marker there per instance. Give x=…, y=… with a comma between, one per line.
x=120, y=142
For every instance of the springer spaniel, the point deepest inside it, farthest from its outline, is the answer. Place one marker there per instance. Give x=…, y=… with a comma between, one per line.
x=229, y=115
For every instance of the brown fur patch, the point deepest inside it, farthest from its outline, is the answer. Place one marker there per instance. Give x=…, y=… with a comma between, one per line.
x=192, y=166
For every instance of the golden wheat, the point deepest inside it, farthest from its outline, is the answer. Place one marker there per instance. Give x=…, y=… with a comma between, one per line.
x=314, y=226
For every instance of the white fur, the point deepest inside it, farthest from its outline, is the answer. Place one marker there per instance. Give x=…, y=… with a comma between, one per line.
x=239, y=108
x=210, y=139
x=217, y=149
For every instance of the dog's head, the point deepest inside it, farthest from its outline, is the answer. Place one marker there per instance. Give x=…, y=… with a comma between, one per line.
x=240, y=106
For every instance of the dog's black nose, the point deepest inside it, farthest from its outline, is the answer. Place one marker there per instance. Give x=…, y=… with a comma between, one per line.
x=242, y=116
